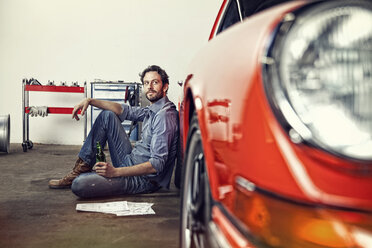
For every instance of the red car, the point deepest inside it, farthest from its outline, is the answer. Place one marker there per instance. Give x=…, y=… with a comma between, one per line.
x=277, y=127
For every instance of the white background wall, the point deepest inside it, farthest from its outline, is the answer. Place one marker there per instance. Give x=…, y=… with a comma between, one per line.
x=84, y=40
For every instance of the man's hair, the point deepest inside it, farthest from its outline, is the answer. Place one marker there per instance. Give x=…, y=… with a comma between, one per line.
x=162, y=73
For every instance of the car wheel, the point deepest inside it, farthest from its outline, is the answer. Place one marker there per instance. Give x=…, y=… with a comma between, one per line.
x=196, y=199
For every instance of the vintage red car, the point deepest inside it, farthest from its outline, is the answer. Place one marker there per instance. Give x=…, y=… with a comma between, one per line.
x=277, y=128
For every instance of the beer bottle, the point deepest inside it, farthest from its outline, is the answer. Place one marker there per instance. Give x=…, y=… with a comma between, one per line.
x=100, y=156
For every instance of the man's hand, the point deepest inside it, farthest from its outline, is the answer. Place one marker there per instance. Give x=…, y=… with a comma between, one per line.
x=105, y=169
x=83, y=105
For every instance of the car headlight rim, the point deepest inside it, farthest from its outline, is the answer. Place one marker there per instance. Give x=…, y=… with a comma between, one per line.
x=292, y=113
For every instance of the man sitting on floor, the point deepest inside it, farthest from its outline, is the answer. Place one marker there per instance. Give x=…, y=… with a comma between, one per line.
x=144, y=168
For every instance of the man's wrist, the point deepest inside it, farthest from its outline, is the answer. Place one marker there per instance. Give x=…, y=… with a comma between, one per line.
x=116, y=172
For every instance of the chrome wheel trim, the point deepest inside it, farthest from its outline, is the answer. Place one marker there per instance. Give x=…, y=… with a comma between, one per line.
x=193, y=227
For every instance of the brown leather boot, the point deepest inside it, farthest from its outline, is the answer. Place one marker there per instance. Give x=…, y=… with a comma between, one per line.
x=80, y=167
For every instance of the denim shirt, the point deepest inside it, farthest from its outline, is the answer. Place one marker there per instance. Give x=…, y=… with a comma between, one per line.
x=158, y=143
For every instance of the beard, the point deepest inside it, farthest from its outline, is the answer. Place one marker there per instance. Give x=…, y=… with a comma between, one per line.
x=155, y=95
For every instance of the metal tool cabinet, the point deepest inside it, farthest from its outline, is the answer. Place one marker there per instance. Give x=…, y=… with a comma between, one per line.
x=26, y=88
x=120, y=92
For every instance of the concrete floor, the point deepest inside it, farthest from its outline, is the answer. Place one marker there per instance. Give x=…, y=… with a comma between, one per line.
x=32, y=215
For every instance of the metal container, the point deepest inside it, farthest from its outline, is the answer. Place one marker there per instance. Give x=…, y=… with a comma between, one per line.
x=4, y=133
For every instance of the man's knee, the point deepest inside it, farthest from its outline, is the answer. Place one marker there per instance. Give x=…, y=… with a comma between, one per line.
x=107, y=114
x=77, y=187
x=89, y=185
x=106, y=117
x=80, y=186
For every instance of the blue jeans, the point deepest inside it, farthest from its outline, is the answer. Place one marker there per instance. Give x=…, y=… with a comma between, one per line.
x=107, y=128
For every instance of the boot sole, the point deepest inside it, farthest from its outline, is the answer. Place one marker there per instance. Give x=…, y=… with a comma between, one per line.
x=59, y=186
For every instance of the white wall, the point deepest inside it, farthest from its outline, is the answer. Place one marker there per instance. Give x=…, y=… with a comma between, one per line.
x=84, y=40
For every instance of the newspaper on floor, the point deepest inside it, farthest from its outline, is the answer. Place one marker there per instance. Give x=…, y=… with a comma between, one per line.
x=119, y=208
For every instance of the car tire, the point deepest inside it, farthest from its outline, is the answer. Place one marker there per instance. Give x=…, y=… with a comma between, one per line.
x=178, y=165
x=195, y=197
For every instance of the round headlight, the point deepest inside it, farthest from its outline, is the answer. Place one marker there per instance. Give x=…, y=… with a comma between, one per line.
x=320, y=76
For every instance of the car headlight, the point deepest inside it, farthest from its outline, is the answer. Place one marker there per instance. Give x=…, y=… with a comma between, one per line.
x=318, y=76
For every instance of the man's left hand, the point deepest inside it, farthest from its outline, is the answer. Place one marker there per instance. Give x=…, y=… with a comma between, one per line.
x=105, y=169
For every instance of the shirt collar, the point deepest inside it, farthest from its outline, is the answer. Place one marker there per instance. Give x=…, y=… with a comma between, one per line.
x=159, y=104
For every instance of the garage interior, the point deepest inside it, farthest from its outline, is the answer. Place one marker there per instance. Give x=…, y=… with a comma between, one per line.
x=82, y=42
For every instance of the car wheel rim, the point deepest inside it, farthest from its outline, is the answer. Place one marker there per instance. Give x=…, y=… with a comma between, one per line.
x=194, y=227
x=195, y=189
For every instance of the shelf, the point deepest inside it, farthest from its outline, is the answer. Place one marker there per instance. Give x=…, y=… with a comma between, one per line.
x=26, y=88
x=54, y=88
x=56, y=110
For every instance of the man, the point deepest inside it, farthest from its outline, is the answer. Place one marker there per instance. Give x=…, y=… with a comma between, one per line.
x=145, y=168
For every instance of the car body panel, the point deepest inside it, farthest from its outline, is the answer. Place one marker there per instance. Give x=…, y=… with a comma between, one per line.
x=240, y=129
x=229, y=136
x=245, y=145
